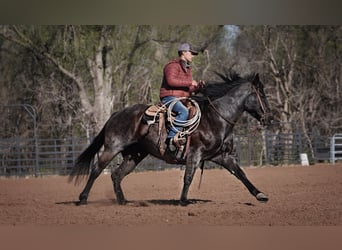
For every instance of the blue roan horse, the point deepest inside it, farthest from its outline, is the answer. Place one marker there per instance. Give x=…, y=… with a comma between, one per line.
x=221, y=104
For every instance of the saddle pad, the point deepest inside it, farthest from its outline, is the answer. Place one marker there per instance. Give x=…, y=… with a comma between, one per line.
x=154, y=110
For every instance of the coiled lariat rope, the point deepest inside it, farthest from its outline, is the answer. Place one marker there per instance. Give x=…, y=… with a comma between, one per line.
x=189, y=125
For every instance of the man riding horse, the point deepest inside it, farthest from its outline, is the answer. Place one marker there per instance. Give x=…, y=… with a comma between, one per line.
x=177, y=82
x=221, y=105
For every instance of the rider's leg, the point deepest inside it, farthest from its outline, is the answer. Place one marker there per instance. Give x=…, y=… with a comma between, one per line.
x=182, y=114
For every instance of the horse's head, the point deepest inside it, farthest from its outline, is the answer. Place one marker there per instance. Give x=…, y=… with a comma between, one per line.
x=248, y=93
x=256, y=103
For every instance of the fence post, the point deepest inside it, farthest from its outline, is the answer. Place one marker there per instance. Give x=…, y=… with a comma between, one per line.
x=238, y=149
x=299, y=143
x=336, y=148
x=30, y=109
x=265, y=136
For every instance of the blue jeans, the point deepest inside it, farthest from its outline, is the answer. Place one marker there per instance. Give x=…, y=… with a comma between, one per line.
x=181, y=111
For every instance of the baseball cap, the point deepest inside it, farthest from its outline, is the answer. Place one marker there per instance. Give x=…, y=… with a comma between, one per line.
x=187, y=47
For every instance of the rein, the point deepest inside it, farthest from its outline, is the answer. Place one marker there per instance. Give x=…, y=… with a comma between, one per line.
x=260, y=103
x=218, y=113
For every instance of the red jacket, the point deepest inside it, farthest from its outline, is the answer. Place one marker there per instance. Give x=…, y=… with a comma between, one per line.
x=177, y=80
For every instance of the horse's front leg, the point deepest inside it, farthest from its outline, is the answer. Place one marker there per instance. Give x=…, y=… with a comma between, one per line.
x=229, y=163
x=190, y=170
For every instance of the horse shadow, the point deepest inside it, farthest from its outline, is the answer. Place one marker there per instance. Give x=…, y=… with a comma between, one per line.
x=173, y=202
x=139, y=203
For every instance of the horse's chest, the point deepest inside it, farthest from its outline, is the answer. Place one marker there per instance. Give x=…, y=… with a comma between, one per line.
x=227, y=146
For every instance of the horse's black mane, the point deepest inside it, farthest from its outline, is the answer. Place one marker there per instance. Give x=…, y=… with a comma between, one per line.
x=215, y=90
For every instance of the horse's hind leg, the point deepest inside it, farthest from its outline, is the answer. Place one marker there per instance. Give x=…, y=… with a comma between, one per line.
x=103, y=161
x=131, y=158
x=230, y=164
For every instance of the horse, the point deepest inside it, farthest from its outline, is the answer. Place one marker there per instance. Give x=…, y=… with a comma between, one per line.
x=221, y=104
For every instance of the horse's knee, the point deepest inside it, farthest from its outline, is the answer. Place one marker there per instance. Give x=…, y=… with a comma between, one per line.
x=238, y=172
x=235, y=170
x=115, y=176
x=189, y=175
x=188, y=179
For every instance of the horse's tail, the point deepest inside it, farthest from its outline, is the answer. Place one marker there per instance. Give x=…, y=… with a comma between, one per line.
x=83, y=162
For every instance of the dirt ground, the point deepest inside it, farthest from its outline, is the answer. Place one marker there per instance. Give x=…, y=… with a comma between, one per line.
x=299, y=196
x=304, y=212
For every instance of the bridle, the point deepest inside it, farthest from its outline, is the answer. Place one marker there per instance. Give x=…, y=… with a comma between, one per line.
x=262, y=106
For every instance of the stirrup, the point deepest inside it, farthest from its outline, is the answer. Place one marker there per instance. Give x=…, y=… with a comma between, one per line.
x=170, y=145
x=179, y=140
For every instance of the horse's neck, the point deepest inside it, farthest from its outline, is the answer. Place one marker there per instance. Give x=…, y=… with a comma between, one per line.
x=231, y=105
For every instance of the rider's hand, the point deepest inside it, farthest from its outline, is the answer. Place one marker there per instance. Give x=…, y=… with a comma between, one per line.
x=194, y=83
x=201, y=83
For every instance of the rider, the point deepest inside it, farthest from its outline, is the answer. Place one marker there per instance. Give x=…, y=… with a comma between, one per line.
x=178, y=82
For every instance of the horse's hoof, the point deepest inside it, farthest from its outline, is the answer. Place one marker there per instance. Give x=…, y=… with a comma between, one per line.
x=81, y=202
x=184, y=202
x=122, y=202
x=261, y=197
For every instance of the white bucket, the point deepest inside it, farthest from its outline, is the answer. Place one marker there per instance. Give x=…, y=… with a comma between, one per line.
x=304, y=159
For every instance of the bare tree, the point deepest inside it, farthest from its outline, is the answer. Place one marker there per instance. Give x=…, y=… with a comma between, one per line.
x=302, y=68
x=95, y=107
x=91, y=71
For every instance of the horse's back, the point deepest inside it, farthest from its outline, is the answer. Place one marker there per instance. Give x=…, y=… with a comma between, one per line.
x=134, y=112
x=126, y=122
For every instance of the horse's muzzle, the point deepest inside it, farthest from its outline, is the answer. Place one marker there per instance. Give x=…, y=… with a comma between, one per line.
x=267, y=120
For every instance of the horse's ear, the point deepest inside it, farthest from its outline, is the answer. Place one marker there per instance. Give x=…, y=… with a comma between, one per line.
x=223, y=77
x=256, y=78
x=256, y=81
